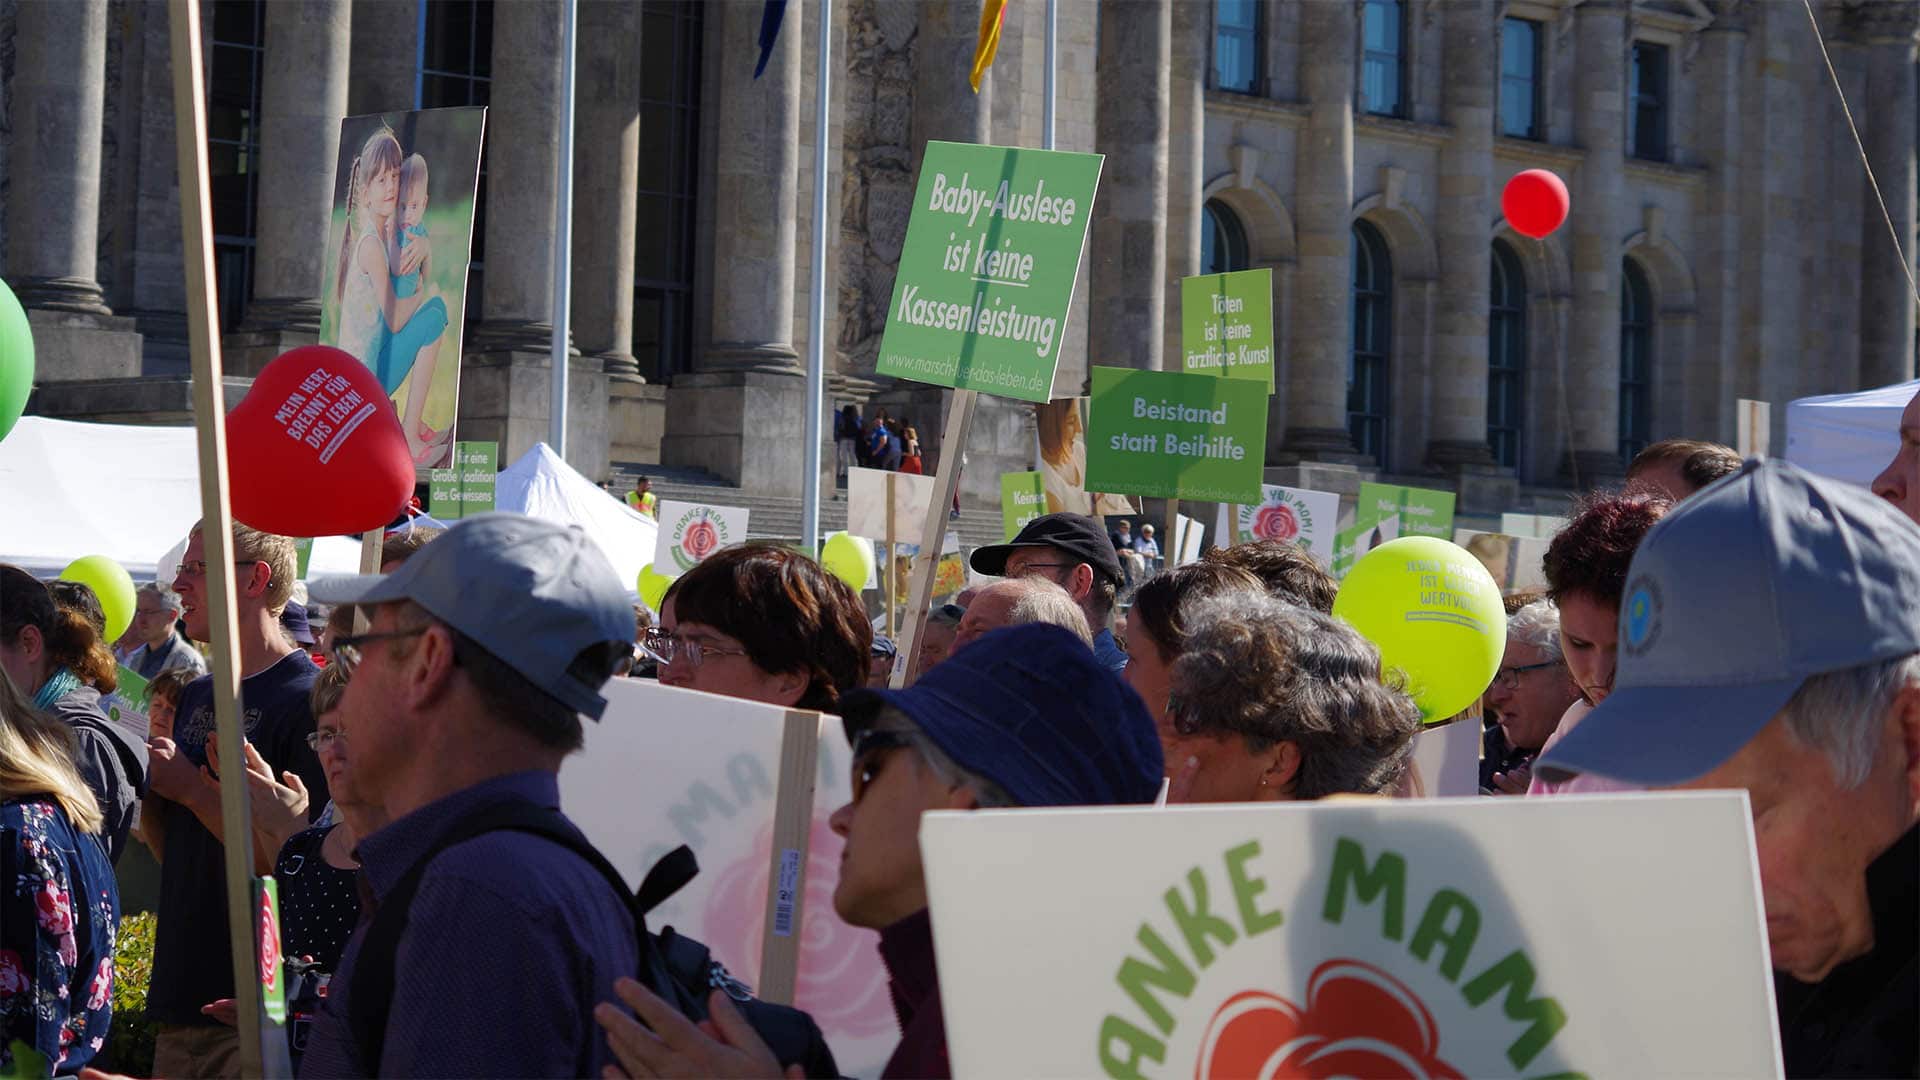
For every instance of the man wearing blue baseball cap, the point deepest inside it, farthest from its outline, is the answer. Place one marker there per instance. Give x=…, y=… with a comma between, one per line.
x=1770, y=641
x=1026, y=716
x=479, y=956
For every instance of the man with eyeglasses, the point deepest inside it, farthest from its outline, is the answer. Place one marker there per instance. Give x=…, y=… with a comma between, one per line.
x=484, y=947
x=1073, y=552
x=1026, y=717
x=192, y=953
x=156, y=609
x=1530, y=693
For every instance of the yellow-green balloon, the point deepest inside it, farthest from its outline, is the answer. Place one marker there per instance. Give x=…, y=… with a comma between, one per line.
x=848, y=558
x=16, y=360
x=652, y=587
x=1434, y=613
x=112, y=584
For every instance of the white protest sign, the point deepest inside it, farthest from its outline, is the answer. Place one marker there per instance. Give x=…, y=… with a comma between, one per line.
x=1446, y=761
x=1293, y=515
x=867, y=502
x=1189, y=538
x=666, y=767
x=1516, y=562
x=1542, y=526
x=1603, y=935
x=689, y=532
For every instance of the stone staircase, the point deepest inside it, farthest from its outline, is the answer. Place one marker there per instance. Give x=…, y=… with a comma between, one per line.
x=777, y=517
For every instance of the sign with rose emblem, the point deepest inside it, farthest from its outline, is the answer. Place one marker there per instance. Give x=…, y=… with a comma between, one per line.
x=1437, y=938
x=689, y=532
x=1293, y=516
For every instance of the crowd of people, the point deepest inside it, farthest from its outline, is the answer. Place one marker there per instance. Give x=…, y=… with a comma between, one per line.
x=1714, y=624
x=881, y=442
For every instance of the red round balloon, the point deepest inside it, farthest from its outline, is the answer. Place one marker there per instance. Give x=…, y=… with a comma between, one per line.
x=1535, y=202
x=316, y=449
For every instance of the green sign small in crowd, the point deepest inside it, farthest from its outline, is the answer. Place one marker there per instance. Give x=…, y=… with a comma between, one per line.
x=1226, y=325
x=1423, y=511
x=467, y=488
x=1023, y=497
x=1166, y=434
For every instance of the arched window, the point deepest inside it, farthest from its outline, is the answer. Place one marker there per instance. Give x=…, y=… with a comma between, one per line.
x=1507, y=357
x=1636, y=360
x=670, y=35
x=1223, y=240
x=1372, y=341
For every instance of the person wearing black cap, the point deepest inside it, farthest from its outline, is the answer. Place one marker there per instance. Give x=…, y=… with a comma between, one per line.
x=881, y=657
x=1074, y=552
x=1025, y=717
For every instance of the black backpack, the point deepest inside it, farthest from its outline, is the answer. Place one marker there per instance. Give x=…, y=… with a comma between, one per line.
x=679, y=969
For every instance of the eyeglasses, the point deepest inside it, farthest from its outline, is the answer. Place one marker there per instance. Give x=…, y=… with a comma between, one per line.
x=667, y=647
x=198, y=567
x=1024, y=567
x=1509, y=677
x=324, y=739
x=345, y=651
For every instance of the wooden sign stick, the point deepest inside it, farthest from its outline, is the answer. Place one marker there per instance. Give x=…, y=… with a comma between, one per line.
x=1170, y=541
x=216, y=517
x=893, y=604
x=946, y=481
x=787, y=883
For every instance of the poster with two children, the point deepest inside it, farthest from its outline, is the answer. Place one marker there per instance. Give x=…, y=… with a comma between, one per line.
x=399, y=237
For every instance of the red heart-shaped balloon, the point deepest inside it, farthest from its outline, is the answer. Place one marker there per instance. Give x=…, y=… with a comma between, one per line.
x=315, y=448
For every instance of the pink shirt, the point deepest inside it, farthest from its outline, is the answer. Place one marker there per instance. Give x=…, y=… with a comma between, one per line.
x=1583, y=784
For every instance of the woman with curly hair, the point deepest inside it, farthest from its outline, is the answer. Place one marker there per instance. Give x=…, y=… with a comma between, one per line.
x=1586, y=568
x=765, y=623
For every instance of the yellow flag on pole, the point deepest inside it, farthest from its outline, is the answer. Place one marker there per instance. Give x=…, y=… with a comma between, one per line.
x=992, y=14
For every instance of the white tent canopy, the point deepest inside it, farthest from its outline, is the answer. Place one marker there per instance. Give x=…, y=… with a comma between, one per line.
x=543, y=485
x=1849, y=437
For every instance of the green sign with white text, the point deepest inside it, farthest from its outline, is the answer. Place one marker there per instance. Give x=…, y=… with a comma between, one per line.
x=467, y=488
x=1168, y=434
x=1226, y=325
x=1023, y=497
x=1423, y=511
x=987, y=270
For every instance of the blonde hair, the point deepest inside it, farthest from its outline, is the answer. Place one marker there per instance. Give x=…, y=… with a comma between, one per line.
x=379, y=153
x=250, y=545
x=328, y=688
x=36, y=760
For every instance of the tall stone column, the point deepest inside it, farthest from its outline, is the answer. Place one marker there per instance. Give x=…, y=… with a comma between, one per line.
x=302, y=101
x=1127, y=327
x=1719, y=78
x=1323, y=199
x=53, y=203
x=1593, y=377
x=606, y=184
x=944, y=104
x=386, y=56
x=1886, y=298
x=506, y=393
x=740, y=414
x=1186, y=180
x=1459, y=418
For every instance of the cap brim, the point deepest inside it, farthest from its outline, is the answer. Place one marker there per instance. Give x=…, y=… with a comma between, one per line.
x=1662, y=735
x=357, y=589
x=992, y=559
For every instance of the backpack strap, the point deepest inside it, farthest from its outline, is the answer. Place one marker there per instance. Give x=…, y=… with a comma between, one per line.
x=668, y=876
x=371, y=987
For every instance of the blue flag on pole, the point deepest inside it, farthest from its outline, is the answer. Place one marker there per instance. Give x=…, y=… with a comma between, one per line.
x=770, y=17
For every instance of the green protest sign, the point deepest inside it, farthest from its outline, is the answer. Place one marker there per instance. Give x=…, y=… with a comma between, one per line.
x=1226, y=325
x=1023, y=497
x=477, y=463
x=1423, y=511
x=1168, y=434
x=303, y=555
x=443, y=494
x=987, y=270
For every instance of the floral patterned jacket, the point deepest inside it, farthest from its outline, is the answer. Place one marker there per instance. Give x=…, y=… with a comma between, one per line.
x=59, y=912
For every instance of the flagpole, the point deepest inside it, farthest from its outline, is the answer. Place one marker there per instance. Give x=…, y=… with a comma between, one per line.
x=817, y=330
x=563, y=239
x=1046, y=107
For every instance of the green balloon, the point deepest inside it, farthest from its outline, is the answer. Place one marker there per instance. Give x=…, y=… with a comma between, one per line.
x=1434, y=613
x=16, y=360
x=652, y=587
x=112, y=584
x=848, y=558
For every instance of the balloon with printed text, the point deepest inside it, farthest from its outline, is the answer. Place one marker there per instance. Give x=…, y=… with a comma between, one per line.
x=1436, y=616
x=1535, y=202
x=316, y=449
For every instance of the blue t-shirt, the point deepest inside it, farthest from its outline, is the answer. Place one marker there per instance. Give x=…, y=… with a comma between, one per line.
x=192, y=957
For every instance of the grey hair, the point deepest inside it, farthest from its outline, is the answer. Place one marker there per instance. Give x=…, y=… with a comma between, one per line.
x=1538, y=625
x=1272, y=672
x=1037, y=600
x=985, y=792
x=1843, y=713
x=169, y=599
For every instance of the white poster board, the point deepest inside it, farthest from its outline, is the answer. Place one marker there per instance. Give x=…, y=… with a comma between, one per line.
x=1294, y=515
x=867, y=503
x=666, y=767
x=1188, y=542
x=689, y=532
x=1605, y=935
x=1541, y=526
x=1446, y=761
x=1515, y=562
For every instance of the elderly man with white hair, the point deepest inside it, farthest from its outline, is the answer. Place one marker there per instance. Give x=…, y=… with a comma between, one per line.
x=156, y=609
x=1016, y=602
x=1769, y=641
x=1530, y=692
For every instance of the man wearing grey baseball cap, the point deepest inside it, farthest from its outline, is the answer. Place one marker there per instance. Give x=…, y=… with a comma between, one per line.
x=1770, y=641
x=467, y=688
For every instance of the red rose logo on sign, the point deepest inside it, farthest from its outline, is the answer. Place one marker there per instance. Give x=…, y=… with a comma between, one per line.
x=701, y=539
x=1359, y=1021
x=1276, y=522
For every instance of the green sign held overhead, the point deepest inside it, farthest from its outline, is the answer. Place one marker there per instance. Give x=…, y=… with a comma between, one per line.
x=1423, y=511
x=1226, y=325
x=1167, y=434
x=467, y=488
x=987, y=270
x=1023, y=497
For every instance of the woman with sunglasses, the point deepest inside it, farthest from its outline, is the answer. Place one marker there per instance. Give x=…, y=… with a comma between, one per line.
x=764, y=623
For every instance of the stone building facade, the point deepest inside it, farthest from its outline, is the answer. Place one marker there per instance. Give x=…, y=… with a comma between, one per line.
x=1724, y=241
